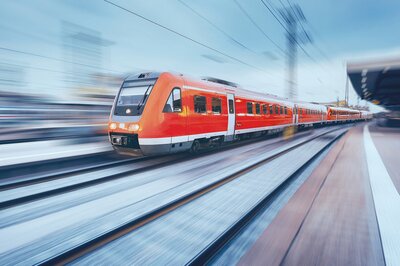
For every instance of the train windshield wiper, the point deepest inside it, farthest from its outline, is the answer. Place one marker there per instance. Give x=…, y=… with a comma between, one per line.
x=144, y=98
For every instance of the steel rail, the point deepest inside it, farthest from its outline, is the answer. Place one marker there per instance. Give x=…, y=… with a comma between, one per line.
x=101, y=240
x=208, y=253
x=67, y=173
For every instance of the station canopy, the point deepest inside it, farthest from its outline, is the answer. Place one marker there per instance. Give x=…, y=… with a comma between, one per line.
x=377, y=81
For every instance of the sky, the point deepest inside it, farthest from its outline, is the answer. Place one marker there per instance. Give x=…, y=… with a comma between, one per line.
x=250, y=41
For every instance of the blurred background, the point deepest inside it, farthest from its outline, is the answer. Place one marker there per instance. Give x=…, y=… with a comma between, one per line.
x=62, y=61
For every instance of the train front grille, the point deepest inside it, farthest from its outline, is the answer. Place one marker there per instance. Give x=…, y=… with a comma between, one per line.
x=125, y=140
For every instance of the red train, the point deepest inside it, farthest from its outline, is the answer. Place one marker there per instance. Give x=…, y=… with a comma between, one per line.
x=158, y=113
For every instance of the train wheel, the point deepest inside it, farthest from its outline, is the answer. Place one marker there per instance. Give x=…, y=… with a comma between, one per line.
x=195, y=147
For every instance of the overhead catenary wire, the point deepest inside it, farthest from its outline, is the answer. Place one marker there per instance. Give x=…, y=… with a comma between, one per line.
x=311, y=27
x=53, y=58
x=301, y=24
x=37, y=68
x=295, y=40
x=259, y=28
x=273, y=14
x=185, y=37
x=216, y=27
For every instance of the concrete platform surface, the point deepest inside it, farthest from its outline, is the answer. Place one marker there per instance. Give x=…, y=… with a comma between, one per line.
x=28, y=152
x=346, y=213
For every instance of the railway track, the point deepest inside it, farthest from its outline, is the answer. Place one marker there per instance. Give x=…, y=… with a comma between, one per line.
x=24, y=173
x=208, y=253
x=65, y=246
x=26, y=180
x=130, y=226
x=40, y=171
x=66, y=183
x=131, y=166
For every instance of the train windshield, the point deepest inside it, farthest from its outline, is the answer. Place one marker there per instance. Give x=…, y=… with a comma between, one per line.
x=132, y=98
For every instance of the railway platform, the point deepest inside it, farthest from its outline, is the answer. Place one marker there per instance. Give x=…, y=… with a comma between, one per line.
x=40, y=151
x=346, y=213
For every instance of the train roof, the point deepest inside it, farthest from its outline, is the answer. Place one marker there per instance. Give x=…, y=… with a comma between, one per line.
x=223, y=86
x=143, y=75
x=314, y=106
x=219, y=85
x=342, y=109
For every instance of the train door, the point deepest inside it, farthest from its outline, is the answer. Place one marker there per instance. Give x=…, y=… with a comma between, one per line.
x=295, y=115
x=174, y=122
x=231, y=117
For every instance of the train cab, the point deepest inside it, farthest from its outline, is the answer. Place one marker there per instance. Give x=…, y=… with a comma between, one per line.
x=147, y=108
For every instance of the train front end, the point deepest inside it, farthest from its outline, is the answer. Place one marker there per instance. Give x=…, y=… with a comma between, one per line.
x=124, y=124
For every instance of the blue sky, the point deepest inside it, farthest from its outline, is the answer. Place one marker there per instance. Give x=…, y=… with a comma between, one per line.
x=341, y=30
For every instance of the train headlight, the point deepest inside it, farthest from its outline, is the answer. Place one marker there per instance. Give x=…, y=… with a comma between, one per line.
x=113, y=126
x=133, y=127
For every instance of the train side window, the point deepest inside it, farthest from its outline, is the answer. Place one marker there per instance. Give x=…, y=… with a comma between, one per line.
x=258, y=108
x=216, y=105
x=281, y=110
x=231, y=108
x=285, y=110
x=200, y=104
x=249, y=108
x=277, y=109
x=271, y=109
x=177, y=102
x=174, y=102
x=265, y=111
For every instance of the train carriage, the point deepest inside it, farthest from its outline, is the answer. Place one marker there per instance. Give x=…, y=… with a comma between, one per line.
x=310, y=114
x=341, y=114
x=158, y=113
